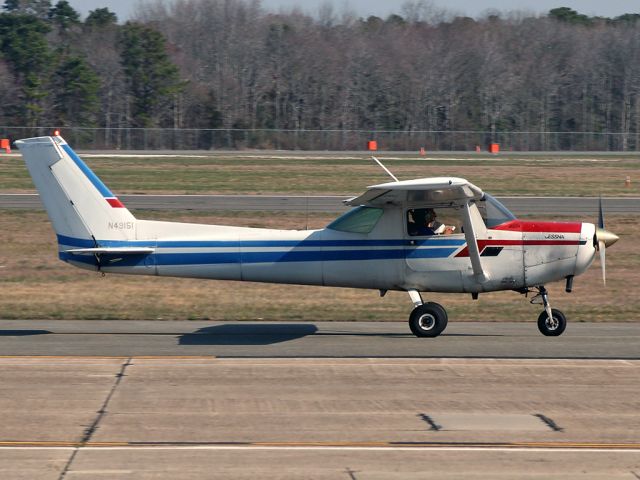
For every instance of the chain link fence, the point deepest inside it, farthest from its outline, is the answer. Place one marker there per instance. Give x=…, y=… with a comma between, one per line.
x=331, y=140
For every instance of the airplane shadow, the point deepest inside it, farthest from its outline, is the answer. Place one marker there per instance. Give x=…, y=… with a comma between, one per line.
x=402, y=335
x=473, y=335
x=22, y=333
x=247, y=334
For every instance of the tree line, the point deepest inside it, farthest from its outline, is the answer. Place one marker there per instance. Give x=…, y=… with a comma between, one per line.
x=231, y=64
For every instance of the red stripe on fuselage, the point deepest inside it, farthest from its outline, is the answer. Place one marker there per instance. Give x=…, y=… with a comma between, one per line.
x=114, y=202
x=529, y=227
x=541, y=227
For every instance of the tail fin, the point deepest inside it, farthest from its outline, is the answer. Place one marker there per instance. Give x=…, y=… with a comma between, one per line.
x=81, y=208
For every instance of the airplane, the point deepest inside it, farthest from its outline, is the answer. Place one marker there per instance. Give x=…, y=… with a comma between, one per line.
x=375, y=245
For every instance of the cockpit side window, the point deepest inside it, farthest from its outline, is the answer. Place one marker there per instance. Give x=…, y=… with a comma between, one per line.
x=358, y=220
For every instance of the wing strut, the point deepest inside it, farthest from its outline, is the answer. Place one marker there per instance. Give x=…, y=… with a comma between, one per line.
x=472, y=245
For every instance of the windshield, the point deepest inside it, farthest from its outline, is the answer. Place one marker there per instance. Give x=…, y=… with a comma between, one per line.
x=358, y=220
x=493, y=212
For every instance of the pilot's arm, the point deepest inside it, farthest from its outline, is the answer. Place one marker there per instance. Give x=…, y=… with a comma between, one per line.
x=437, y=227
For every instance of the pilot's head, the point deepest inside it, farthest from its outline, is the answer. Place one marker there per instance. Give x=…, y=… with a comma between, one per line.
x=423, y=216
x=430, y=214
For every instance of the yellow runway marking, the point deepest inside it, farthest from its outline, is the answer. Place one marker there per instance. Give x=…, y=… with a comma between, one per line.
x=107, y=357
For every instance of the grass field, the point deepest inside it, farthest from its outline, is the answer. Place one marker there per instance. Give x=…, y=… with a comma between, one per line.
x=35, y=284
x=296, y=173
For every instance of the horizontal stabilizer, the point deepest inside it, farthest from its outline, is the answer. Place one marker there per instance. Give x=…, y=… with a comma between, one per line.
x=111, y=250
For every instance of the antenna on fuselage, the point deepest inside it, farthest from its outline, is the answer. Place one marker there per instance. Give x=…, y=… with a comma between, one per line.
x=385, y=169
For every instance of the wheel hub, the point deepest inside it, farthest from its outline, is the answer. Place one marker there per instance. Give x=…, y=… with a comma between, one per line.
x=427, y=322
x=552, y=323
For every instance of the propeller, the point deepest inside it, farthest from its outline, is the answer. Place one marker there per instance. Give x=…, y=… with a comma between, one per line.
x=603, y=239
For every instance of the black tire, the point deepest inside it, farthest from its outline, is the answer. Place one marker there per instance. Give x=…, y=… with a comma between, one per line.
x=440, y=308
x=428, y=320
x=554, y=327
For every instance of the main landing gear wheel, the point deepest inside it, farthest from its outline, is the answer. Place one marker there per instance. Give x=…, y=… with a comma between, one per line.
x=428, y=320
x=554, y=326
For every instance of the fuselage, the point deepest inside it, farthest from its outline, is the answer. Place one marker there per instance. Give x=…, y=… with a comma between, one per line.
x=515, y=255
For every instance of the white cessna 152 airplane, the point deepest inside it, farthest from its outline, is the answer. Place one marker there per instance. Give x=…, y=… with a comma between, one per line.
x=379, y=244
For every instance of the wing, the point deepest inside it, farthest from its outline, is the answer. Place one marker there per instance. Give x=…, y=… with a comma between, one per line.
x=432, y=191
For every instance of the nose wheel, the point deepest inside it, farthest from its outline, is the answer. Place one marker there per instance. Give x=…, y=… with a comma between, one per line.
x=554, y=325
x=551, y=322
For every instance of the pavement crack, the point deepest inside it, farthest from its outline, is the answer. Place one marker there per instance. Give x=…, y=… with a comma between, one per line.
x=433, y=426
x=351, y=473
x=549, y=422
x=91, y=429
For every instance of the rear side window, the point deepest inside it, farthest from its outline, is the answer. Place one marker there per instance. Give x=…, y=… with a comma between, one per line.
x=358, y=220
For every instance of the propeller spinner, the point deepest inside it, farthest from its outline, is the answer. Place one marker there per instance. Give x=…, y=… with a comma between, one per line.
x=603, y=239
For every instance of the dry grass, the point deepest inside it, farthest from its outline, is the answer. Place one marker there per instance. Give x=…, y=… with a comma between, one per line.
x=502, y=175
x=35, y=284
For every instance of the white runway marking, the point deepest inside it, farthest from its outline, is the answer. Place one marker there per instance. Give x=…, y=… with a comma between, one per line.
x=586, y=450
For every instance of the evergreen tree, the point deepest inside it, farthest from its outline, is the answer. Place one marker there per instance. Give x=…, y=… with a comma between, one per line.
x=627, y=18
x=101, y=17
x=75, y=89
x=152, y=78
x=11, y=5
x=37, y=8
x=568, y=15
x=23, y=45
x=64, y=16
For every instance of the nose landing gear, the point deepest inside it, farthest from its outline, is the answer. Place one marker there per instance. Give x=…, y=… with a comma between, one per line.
x=551, y=322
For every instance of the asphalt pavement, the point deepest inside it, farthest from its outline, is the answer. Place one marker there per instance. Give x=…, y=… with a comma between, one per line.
x=315, y=339
x=579, y=206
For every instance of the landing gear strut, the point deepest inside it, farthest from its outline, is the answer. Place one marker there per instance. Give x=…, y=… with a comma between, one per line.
x=427, y=319
x=551, y=322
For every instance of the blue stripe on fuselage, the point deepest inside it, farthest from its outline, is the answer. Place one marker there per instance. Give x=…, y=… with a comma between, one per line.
x=84, y=243
x=75, y=242
x=295, y=256
x=217, y=258
x=438, y=248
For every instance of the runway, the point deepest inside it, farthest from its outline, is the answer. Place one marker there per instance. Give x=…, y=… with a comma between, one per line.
x=315, y=340
x=583, y=206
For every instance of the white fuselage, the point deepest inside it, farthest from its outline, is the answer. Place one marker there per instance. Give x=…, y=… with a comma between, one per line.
x=512, y=258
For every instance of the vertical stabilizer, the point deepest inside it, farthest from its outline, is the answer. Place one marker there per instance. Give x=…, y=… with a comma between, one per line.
x=81, y=208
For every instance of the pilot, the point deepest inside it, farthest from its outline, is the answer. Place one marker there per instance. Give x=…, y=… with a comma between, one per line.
x=425, y=223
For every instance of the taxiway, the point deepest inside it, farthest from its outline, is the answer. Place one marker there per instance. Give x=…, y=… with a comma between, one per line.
x=204, y=417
